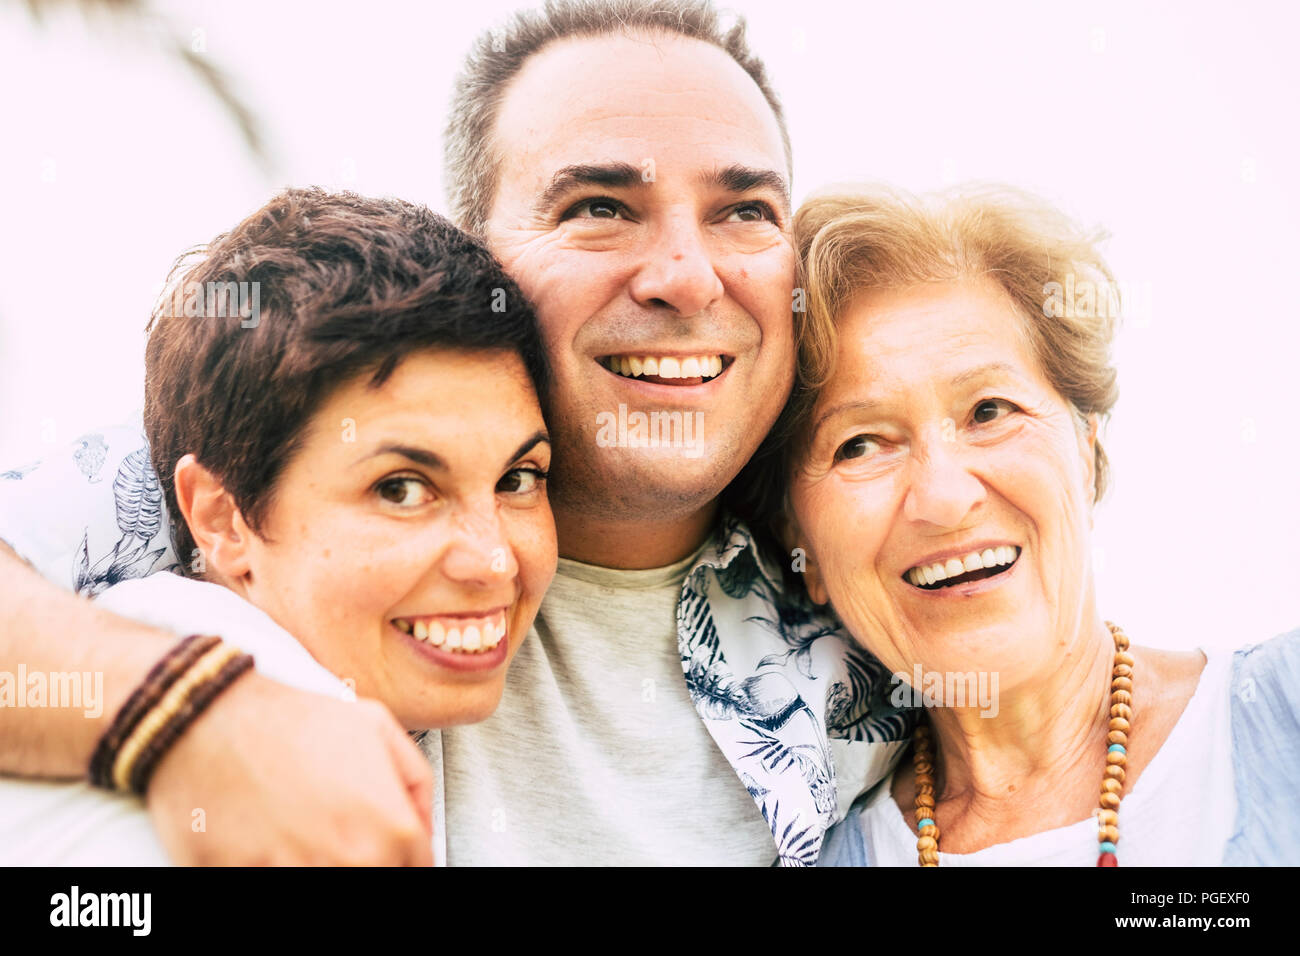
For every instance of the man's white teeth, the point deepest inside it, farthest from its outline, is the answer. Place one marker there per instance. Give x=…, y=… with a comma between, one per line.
x=976, y=560
x=475, y=636
x=668, y=366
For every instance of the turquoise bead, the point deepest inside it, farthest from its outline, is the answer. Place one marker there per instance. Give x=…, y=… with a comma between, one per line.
x=1107, y=847
x=1114, y=747
x=927, y=822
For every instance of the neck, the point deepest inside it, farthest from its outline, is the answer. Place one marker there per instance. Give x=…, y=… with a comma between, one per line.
x=631, y=545
x=1048, y=729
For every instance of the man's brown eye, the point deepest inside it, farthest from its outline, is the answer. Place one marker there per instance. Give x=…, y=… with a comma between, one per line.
x=754, y=212
x=598, y=208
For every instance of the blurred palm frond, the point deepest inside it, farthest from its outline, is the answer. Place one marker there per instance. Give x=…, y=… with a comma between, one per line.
x=138, y=14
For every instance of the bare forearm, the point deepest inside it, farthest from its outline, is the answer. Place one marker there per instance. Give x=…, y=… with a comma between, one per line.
x=47, y=635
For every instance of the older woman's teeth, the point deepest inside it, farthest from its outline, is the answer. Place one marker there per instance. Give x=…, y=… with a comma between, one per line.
x=668, y=366
x=931, y=574
x=467, y=636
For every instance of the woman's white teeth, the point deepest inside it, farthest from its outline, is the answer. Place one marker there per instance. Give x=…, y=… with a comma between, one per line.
x=695, y=366
x=975, y=561
x=470, y=638
x=475, y=636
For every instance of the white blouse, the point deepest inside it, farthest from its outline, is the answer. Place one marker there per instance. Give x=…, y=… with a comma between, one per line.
x=1181, y=811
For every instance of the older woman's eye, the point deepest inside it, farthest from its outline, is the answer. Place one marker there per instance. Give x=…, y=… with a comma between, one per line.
x=521, y=481
x=988, y=410
x=404, y=492
x=859, y=446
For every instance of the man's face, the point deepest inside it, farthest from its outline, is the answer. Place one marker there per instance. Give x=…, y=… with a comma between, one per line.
x=643, y=207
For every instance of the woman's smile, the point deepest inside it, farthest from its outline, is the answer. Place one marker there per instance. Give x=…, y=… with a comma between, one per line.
x=461, y=643
x=965, y=571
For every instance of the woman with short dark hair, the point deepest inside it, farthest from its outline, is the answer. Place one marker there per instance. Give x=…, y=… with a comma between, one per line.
x=342, y=406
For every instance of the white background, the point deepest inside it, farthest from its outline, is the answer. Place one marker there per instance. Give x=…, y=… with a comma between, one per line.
x=1172, y=125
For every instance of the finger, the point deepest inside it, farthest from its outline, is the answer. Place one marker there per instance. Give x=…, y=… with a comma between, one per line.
x=417, y=779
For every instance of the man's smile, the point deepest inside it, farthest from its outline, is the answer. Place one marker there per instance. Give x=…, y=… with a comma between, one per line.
x=668, y=369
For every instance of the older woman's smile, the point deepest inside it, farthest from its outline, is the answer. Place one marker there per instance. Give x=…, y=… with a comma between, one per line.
x=945, y=570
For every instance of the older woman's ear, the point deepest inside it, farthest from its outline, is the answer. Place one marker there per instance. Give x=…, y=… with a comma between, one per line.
x=812, y=580
x=802, y=560
x=214, y=520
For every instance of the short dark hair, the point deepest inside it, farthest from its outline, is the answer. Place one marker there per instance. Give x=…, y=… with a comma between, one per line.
x=347, y=286
x=470, y=159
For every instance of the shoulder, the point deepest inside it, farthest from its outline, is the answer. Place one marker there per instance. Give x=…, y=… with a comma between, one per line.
x=1271, y=668
x=1265, y=688
x=1265, y=717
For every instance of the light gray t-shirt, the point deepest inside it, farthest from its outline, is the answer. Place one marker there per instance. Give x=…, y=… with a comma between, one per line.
x=597, y=755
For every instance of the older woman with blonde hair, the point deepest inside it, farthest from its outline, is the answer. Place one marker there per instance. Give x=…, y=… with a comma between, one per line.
x=939, y=465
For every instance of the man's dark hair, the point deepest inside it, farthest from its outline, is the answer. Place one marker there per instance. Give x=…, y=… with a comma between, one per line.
x=347, y=286
x=470, y=158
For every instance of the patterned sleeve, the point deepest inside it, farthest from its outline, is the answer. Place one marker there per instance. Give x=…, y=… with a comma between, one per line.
x=90, y=515
x=1265, y=707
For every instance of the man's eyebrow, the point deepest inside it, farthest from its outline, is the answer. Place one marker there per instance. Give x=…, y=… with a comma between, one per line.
x=608, y=175
x=739, y=179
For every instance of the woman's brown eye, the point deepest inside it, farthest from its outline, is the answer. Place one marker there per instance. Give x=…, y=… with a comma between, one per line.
x=401, y=491
x=521, y=481
x=855, y=447
x=986, y=411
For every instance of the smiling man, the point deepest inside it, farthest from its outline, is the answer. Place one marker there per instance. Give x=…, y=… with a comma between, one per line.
x=628, y=164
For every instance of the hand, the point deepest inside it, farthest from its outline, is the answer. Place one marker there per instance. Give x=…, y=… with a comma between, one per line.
x=271, y=775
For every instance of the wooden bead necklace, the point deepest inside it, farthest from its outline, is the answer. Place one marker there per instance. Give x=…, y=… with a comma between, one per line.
x=1112, y=784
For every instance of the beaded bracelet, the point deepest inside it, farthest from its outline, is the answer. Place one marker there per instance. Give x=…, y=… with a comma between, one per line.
x=173, y=694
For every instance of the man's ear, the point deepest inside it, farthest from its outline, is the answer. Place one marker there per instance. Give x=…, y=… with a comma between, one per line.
x=213, y=518
x=803, y=561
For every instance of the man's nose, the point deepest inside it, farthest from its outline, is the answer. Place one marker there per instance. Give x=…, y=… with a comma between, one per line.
x=941, y=489
x=479, y=552
x=677, y=271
